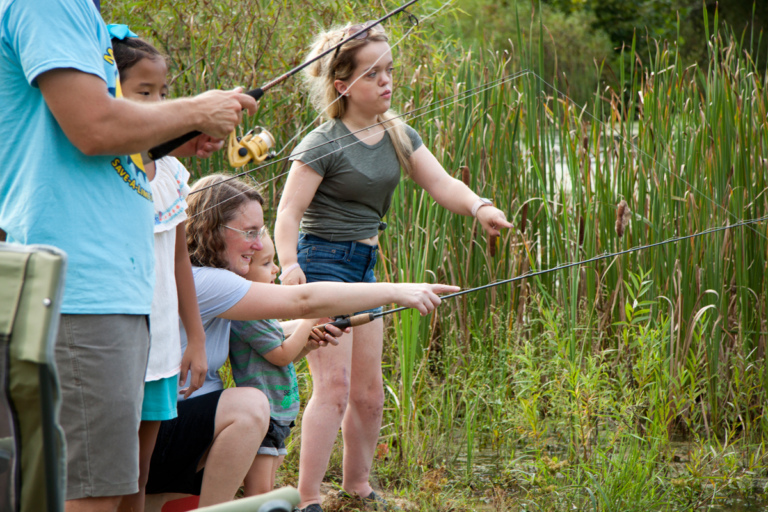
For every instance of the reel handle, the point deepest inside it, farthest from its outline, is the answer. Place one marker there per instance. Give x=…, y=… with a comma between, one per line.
x=163, y=149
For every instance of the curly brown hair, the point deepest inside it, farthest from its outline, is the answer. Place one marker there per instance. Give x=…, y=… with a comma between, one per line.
x=212, y=203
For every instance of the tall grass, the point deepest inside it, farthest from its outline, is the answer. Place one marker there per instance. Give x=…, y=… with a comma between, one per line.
x=686, y=148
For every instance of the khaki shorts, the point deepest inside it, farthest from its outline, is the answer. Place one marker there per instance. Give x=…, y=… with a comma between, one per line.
x=101, y=361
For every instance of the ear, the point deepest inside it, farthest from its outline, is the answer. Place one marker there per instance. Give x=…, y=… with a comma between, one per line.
x=341, y=87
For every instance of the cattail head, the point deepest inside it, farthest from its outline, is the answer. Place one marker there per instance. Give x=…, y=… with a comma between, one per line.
x=492, y=241
x=523, y=218
x=623, y=214
x=464, y=174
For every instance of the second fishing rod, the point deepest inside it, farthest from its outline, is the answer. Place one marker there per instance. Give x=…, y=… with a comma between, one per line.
x=164, y=149
x=363, y=318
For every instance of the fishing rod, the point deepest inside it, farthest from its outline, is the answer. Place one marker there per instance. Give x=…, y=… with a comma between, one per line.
x=163, y=149
x=364, y=318
x=432, y=108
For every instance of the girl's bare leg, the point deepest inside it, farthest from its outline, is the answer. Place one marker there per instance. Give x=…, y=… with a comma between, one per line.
x=147, y=436
x=322, y=418
x=362, y=421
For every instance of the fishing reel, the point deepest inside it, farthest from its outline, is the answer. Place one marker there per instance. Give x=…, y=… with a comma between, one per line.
x=256, y=147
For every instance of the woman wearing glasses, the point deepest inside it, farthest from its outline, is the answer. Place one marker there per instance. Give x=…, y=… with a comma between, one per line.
x=339, y=187
x=217, y=429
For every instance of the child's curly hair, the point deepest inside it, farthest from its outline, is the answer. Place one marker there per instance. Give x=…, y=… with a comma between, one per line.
x=215, y=205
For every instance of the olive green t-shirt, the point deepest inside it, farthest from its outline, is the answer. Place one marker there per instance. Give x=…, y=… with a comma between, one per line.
x=358, y=181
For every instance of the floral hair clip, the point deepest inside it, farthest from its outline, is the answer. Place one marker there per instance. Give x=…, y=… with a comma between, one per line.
x=118, y=31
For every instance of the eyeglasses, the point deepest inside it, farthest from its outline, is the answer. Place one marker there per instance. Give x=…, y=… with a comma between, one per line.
x=362, y=28
x=251, y=235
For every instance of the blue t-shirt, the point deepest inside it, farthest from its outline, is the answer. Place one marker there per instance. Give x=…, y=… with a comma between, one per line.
x=96, y=208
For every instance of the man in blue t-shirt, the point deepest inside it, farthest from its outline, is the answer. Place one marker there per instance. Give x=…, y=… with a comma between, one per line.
x=66, y=181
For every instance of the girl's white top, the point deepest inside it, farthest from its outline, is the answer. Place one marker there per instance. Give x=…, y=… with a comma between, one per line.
x=169, y=190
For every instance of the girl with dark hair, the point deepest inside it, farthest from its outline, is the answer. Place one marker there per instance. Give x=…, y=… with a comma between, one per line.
x=143, y=73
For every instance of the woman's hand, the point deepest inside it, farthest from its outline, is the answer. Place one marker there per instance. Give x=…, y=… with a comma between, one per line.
x=492, y=219
x=195, y=362
x=423, y=297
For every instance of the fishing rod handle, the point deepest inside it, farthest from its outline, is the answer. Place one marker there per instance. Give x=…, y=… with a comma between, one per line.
x=351, y=321
x=165, y=148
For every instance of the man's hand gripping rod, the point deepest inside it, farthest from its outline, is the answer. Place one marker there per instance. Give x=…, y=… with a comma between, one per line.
x=163, y=149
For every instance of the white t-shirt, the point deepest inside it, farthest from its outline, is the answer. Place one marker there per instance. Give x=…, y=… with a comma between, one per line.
x=169, y=189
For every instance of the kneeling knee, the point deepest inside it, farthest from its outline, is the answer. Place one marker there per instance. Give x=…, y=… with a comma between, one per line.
x=250, y=406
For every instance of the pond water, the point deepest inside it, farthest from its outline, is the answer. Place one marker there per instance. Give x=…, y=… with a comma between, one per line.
x=488, y=465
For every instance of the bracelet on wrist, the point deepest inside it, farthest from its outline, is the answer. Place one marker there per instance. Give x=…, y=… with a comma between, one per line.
x=479, y=204
x=288, y=270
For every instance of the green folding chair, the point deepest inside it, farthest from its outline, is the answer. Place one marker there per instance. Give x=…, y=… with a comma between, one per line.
x=32, y=457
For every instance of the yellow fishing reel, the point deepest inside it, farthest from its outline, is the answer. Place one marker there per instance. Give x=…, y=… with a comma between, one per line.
x=256, y=147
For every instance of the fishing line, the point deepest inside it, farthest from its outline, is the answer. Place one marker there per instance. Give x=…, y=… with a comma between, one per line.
x=440, y=104
x=407, y=33
x=436, y=105
x=365, y=318
x=163, y=149
x=472, y=92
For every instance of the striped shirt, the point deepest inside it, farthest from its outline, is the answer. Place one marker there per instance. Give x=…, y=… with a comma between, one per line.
x=248, y=343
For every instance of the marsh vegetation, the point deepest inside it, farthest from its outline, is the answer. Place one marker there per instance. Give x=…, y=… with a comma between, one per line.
x=637, y=382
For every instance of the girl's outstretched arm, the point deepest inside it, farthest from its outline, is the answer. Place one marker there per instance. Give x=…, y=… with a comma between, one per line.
x=194, y=358
x=300, y=188
x=451, y=193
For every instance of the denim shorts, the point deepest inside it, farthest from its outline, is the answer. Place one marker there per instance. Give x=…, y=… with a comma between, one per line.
x=274, y=442
x=343, y=262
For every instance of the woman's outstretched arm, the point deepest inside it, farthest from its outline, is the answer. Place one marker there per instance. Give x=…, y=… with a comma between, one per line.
x=315, y=300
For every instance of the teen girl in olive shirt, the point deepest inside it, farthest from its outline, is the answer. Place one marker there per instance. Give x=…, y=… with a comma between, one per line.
x=337, y=194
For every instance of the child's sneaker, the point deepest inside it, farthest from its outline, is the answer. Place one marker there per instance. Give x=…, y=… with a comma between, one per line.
x=314, y=507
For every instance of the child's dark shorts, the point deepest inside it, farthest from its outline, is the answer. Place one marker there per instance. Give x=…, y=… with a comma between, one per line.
x=274, y=442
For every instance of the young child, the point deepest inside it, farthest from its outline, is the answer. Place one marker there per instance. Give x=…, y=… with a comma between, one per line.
x=262, y=357
x=143, y=78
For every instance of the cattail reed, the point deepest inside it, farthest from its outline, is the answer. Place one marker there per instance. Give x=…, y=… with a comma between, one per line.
x=623, y=214
x=464, y=174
